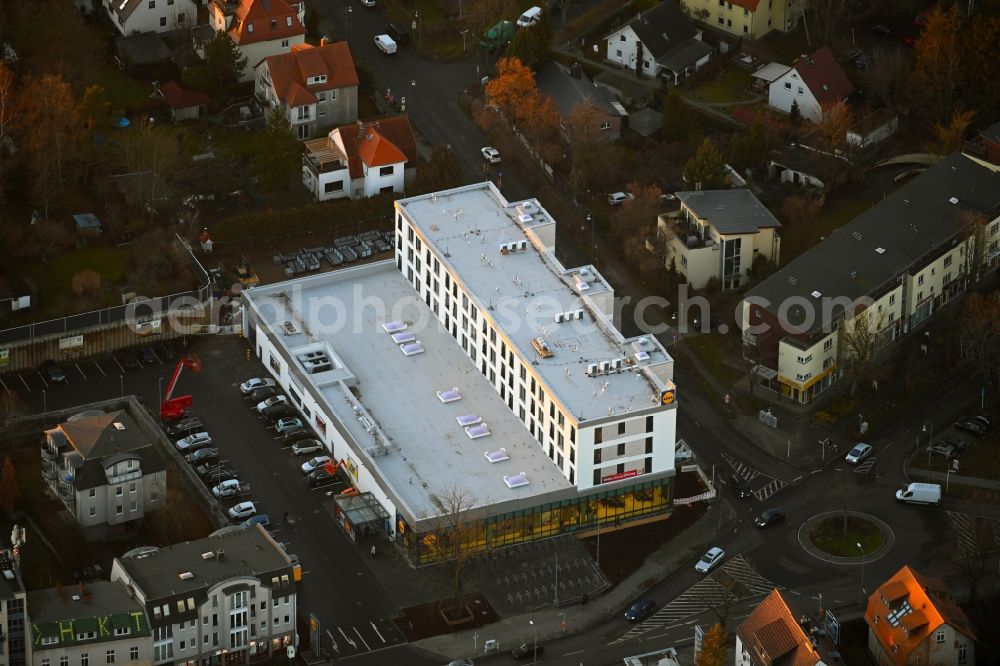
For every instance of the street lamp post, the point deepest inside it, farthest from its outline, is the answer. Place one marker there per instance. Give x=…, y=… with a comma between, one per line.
x=45, y=406
x=858, y=544
x=347, y=20
x=121, y=381
x=590, y=221
x=534, y=643
x=930, y=439
x=418, y=26
x=160, y=393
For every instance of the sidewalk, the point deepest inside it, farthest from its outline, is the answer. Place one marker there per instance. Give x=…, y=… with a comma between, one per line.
x=548, y=623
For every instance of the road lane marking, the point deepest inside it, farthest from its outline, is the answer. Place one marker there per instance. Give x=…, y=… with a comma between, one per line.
x=367, y=647
x=156, y=356
x=334, y=641
x=375, y=629
x=350, y=641
x=2, y=383
x=42, y=377
x=100, y=368
x=80, y=370
x=21, y=377
x=570, y=654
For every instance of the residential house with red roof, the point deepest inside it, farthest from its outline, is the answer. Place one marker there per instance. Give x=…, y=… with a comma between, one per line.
x=316, y=87
x=132, y=17
x=260, y=28
x=361, y=160
x=775, y=634
x=184, y=104
x=815, y=82
x=751, y=19
x=912, y=620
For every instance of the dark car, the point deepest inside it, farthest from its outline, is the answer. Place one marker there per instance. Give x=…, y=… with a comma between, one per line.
x=880, y=29
x=128, y=359
x=770, y=517
x=147, y=355
x=398, y=32
x=641, y=609
x=183, y=427
x=262, y=394
x=524, y=650
x=204, y=455
x=323, y=477
x=971, y=425
x=985, y=419
x=278, y=411
x=52, y=372
x=740, y=487
x=295, y=435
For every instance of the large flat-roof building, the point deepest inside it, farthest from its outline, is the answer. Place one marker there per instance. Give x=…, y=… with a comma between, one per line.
x=475, y=364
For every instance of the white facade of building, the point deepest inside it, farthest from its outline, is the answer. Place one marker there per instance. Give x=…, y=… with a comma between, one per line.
x=790, y=88
x=134, y=16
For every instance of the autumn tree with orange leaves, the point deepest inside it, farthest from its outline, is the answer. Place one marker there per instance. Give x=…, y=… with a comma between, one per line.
x=49, y=127
x=515, y=95
x=939, y=60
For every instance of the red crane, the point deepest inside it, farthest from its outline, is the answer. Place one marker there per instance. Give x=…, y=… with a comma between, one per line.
x=174, y=408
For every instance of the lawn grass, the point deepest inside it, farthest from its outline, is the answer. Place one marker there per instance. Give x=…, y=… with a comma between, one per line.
x=729, y=85
x=53, y=281
x=981, y=460
x=711, y=350
x=829, y=536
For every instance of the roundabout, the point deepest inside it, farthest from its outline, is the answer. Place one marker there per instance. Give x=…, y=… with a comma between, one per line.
x=866, y=539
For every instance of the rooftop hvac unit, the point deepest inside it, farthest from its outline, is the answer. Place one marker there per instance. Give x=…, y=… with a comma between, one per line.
x=605, y=366
x=560, y=317
x=592, y=369
x=617, y=364
x=522, y=245
x=578, y=314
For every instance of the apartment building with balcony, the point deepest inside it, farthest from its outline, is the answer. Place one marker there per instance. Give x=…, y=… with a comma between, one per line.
x=259, y=28
x=876, y=278
x=718, y=234
x=315, y=86
x=105, y=469
x=749, y=19
x=97, y=623
x=228, y=598
x=13, y=619
x=361, y=160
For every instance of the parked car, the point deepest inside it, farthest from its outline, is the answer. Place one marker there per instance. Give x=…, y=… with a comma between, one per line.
x=296, y=435
x=204, y=455
x=288, y=423
x=984, y=419
x=525, y=650
x=618, y=198
x=864, y=61
x=640, y=609
x=52, y=372
x=398, y=32
x=740, y=486
x=971, y=425
x=183, y=427
x=858, y=453
x=270, y=402
x=710, y=560
x=242, y=511
x=490, y=154
x=920, y=493
x=215, y=468
x=770, y=517
x=262, y=394
x=315, y=463
x=227, y=488
x=880, y=29
x=254, y=383
x=324, y=477
x=385, y=44
x=215, y=477
x=194, y=441
x=368, y=3
x=948, y=448
x=278, y=410
x=530, y=17
x=147, y=355
x=306, y=446
x=259, y=519
x=128, y=359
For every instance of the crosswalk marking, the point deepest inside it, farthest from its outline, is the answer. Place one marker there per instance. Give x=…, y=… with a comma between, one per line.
x=735, y=579
x=742, y=469
x=772, y=487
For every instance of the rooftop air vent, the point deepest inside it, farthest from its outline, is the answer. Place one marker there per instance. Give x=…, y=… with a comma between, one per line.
x=542, y=347
x=412, y=348
x=477, y=431
x=792, y=280
x=880, y=250
x=289, y=328
x=816, y=294
x=207, y=555
x=393, y=326
x=497, y=456
x=953, y=200
x=186, y=575
x=119, y=425
x=450, y=395
x=517, y=480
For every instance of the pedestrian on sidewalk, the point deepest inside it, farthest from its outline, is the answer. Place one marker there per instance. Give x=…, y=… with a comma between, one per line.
x=373, y=550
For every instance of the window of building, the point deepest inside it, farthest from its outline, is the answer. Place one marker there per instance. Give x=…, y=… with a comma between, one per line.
x=746, y=12
x=84, y=659
x=598, y=435
x=722, y=21
x=892, y=299
x=110, y=656
x=621, y=450
x=621, y=38
x=828, y=345
x=119, y=510
x=729, y=23
x=183, y=645
x=939, y=637
x=93, y=511
x=597, y=456
x=121, y=631
x=152, y=4
x=163, y=21
x=800, y=90
x=606, y=125
x=963, y=654
x=621, y=428
x=335, y=186
x=45, y=661
x=119, y=491
x=920, y=279
x=746, y=31
x=788, y=85
x=386, y=170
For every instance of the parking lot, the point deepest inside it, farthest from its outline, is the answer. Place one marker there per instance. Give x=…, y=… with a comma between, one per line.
x=337, y=584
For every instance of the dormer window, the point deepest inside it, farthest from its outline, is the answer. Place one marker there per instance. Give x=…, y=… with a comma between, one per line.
x=274, y=24
x=313, y=80
x=288, y=21
x=249, y=27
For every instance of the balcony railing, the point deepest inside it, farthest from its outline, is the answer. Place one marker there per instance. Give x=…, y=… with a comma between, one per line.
x=49, y=453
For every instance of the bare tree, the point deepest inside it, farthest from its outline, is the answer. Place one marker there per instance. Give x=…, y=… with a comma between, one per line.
x=980, y=330
x=9, y=109
x=859, y=341
x=824, y=16
x=456, y=503
x=150, y=151
x=890, y=79
x=975, y=554
x=974, y=250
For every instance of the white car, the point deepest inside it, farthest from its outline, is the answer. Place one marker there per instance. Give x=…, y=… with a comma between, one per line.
x=314, y=463
x=368, y=3
x=490, y=154
x=858, y=453
x=710, y=560
x=618, y=198
x=193, y=442
x=242, y=511
x=228, y=488
x=385, y=44
x=274, y=400
x=305, y=446
x=251, y=385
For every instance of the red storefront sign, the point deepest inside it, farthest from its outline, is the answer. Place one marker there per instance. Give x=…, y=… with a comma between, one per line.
x=619, y=477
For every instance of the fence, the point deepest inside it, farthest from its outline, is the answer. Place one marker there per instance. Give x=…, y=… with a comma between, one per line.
x=65, y=337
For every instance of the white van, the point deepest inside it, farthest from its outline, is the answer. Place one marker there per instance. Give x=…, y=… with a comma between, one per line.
x=385, y=44
x=920, y=493
x=530, y=17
